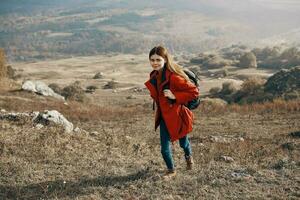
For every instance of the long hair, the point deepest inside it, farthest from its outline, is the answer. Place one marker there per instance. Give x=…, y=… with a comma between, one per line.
x=171, y=65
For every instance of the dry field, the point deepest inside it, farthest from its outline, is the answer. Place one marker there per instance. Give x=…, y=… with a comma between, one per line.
x=118, y=154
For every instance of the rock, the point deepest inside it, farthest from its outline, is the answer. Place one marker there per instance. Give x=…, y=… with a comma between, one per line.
x=39, y=126
x=94, y=133
x=219, y=139
x=13, y=116
x=40, y=88
x=284, y=82
x=128, y=137
x=227, y=159
x=3, y=110
x=99, y=75
x=241, y=174
x=295, y=134
x=77, y=130
x=131, y=97
x=55, y=117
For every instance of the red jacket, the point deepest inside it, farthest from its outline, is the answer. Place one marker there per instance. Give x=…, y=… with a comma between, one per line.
x=178, y=118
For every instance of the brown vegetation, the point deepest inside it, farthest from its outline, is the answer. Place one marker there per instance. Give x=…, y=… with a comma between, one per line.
x=3, y=67
x=118, y=157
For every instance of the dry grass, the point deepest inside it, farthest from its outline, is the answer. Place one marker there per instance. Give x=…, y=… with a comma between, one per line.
x=74, y=111
x=119, y=157
x=278, y=105
x=3, y=68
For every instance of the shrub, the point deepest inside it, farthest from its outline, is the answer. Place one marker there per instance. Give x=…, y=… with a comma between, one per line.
x=291, y=95
x=56, y=88
x=91, y=88
x=228, y=88
x=252, y=85
x=74, y=92
x=11, y=73
x=110, y=85
x=214, y=91
x=99, y=75
x=3, y=68
x=248, y=60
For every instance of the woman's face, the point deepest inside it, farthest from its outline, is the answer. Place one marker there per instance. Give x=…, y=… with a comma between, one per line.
x=157, y=62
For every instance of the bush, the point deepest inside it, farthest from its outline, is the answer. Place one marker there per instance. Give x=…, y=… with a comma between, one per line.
x=214, y=91
x=248, y=60
x=91, y=88
x=228, y=88
x=99, y=75
x=74, y=92
x=291, y=95
x=3, y=68
x=110, y=85
x=252, y=85
x=56, y=88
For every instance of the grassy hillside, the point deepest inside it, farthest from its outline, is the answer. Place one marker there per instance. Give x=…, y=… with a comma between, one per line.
x=118, y=154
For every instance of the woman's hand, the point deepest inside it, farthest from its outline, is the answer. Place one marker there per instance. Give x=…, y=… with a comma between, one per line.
x=169, y=94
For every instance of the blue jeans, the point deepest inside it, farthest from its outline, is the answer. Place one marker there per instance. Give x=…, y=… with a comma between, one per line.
x=166, y=145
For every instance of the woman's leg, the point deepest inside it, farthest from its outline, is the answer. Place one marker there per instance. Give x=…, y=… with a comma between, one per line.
x=186, y=146
x=165, y=145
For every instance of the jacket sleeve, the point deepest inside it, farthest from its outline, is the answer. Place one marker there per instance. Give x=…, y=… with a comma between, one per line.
x=184, y=91
x=151, y=85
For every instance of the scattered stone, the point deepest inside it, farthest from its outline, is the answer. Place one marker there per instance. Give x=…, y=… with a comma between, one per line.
x=295, y=134
x=99, y=75
x=241, y=174
x=289, y=146
x=219, y=139
x=77, y=130
x=131, y=97
x=111, y=85
x=40, y=88
x=39, y=126
x=137, y=89
x=128, y=137
x=94, y=133
x=281, y=164
x=13, y=116
x=227, y=159
x=225, y=139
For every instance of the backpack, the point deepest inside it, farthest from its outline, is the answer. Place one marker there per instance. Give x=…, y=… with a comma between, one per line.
x=193, y=104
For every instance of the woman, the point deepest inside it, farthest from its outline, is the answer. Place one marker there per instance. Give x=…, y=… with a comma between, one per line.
x=171, y=89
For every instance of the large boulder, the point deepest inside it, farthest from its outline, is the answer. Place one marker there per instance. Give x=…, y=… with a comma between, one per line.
x=55, y=117
x=284, y=82
x=40, y=88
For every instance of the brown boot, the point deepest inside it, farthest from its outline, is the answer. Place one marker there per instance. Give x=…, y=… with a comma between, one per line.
x=169, y=174
x=189, y=162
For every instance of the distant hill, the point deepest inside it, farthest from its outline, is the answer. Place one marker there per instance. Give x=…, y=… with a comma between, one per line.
x=32, y=29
